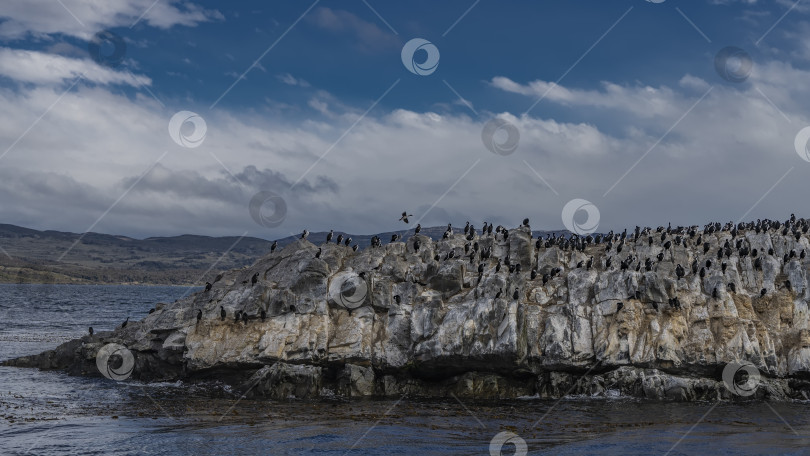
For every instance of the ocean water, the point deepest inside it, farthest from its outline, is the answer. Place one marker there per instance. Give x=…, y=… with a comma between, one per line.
x=51, y=413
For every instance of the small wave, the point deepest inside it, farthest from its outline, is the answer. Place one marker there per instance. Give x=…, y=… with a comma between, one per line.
x=35, y=337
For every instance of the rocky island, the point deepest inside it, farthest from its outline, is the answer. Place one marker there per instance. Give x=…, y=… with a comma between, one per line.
x=656, y=313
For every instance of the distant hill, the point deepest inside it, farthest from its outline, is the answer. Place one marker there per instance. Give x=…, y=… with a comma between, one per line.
x=31, y=256
x=34, y=256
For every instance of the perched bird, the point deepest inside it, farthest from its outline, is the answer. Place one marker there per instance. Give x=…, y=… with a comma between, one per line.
x=619, y=306
x=404, y=217
x=305, y=234
x=516, y=294
x=199, y=315
x=348, y=241
x=397, y=298
x=91, y=331
x=124, y=324
x=245, y=317
x=317, y=255
x=237, y=316
x=330, y=236
x=762, y=292
x=255, y=278
x=499, y=293
x=418, y=228
x=273, y=247
x=263, y=314
x=339, y=239
x=208, y=286
x=222, y=313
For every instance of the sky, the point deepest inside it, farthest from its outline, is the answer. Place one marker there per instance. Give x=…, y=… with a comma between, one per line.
x=158, y=118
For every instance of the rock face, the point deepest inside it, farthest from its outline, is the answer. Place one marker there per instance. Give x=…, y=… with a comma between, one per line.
x=389, y=320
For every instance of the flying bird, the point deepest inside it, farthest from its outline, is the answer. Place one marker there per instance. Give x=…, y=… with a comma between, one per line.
x=404, y=217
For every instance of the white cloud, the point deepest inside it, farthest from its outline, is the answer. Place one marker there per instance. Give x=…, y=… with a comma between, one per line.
x=43, y=68
x=22, y=18
x=694, y=83
x=289, y=79
x=639, y=100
